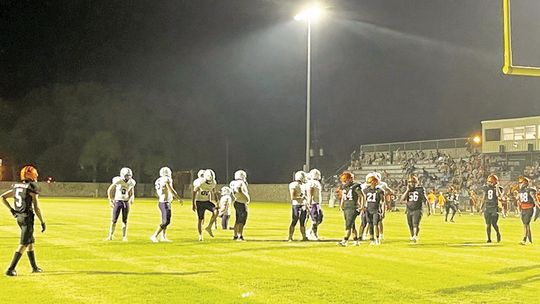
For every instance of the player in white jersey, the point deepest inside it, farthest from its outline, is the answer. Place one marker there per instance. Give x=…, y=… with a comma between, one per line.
x=166, y=193
x=225, y=203
x=314, y=201
x=241, y=202
x=204, y=192
x=297, y=192
x=123, y=191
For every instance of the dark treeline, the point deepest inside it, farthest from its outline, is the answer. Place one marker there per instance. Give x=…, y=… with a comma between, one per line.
x=86, y=132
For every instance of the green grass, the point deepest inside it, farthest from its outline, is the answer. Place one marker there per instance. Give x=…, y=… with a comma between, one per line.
x=451, y=264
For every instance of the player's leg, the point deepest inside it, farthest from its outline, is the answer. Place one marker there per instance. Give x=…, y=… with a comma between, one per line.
x=26, y=238
x=212, y=208
x=495, y=224
x=295, y=216
x=125, y=213
x=488, y=218
x=447, y=210
x=154, y=237
x=200, y=218
x=410, y=224
x=417, y=218
x=115, y=214
x=165, y=222
x=303, y=220
x=376, y=220
x=454, y=210
x=241, y=219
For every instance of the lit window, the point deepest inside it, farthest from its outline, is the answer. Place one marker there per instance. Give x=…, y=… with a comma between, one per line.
x=519, y=133
x=530, y=132
x=508, y=133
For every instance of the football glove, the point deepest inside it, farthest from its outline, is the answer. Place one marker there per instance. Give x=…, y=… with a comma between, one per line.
x=43, y=227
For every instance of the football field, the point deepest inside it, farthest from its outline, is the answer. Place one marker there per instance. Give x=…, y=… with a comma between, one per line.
x=451, y=263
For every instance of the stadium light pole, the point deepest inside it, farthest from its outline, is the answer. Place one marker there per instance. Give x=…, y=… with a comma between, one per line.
x=308, y=15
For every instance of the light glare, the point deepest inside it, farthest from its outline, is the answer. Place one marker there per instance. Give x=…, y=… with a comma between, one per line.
x=310, y=14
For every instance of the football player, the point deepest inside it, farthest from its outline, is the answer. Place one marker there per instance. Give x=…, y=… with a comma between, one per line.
x=415, y=196
x=239, y=187
x=432, y=199
x=374, y=207
x=450, y=203
x=204, y=192
x=26, y=205
x=352, y=200
x=473, y=201
x=314, y=198
x=166, y=193
x=225, y=202
x=527, y=201
x=123, y=187
x=387, y=196
x=490, y=205
x=297, y=192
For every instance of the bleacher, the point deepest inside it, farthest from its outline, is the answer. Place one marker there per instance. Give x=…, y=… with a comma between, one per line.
x=396, y=171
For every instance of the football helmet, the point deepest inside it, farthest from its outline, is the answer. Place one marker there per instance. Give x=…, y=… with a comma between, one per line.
x=200, y=173
x=413, y=179
x=346, y=177
x=126, y=173
x=165, y=171
x=209, y=175
x=300, y=176
x=315, y=174
x=523, y=180
x=29, y=173
x=372, y=179
x=493, y=179
x=226, y=191
x=241, y=175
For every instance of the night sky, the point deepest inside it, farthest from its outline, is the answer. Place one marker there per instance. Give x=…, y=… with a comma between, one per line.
x=209, y=72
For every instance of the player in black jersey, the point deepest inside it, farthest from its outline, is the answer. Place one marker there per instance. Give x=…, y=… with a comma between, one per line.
x=374, y=208
x=415, y=196
x=26, y=204
x=351, y=201
x=493, y=192
x=527, y=201
x=451, y=197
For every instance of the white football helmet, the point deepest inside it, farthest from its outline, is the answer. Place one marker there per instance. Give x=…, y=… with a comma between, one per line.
x=209, y=175
x=200, y=173
x=126, y=173
x=241, y=175
x=300, y=176
x=165, y=171
x=315, y=174
x=226, y=191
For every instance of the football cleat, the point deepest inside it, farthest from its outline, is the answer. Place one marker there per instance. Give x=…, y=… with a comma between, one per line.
x=209, y=230
x=356, y=243
x=154, y=239
x=342, y=243
x=124, y=239
x=11, y=273
x=37, y=270
x=109, y=238
x=201, y=238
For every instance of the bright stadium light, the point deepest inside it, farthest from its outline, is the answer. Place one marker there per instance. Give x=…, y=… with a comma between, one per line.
x=309, y=14
x=477, y=139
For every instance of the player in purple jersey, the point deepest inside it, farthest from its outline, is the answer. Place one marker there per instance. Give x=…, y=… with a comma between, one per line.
x=26, y=205
x=166, y=193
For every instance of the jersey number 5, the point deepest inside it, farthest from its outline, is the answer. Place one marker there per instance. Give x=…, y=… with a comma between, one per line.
x=18, y=197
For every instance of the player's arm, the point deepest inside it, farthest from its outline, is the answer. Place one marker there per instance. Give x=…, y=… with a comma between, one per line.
x=131, y=194
x=404, y=197
x=110, y=194
x=246, y=193
x=37, y=210
x=5, y=195
x=535, y=200
x=361, y=202
x=193, y=196
x=310, y=192
x=169, y=187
